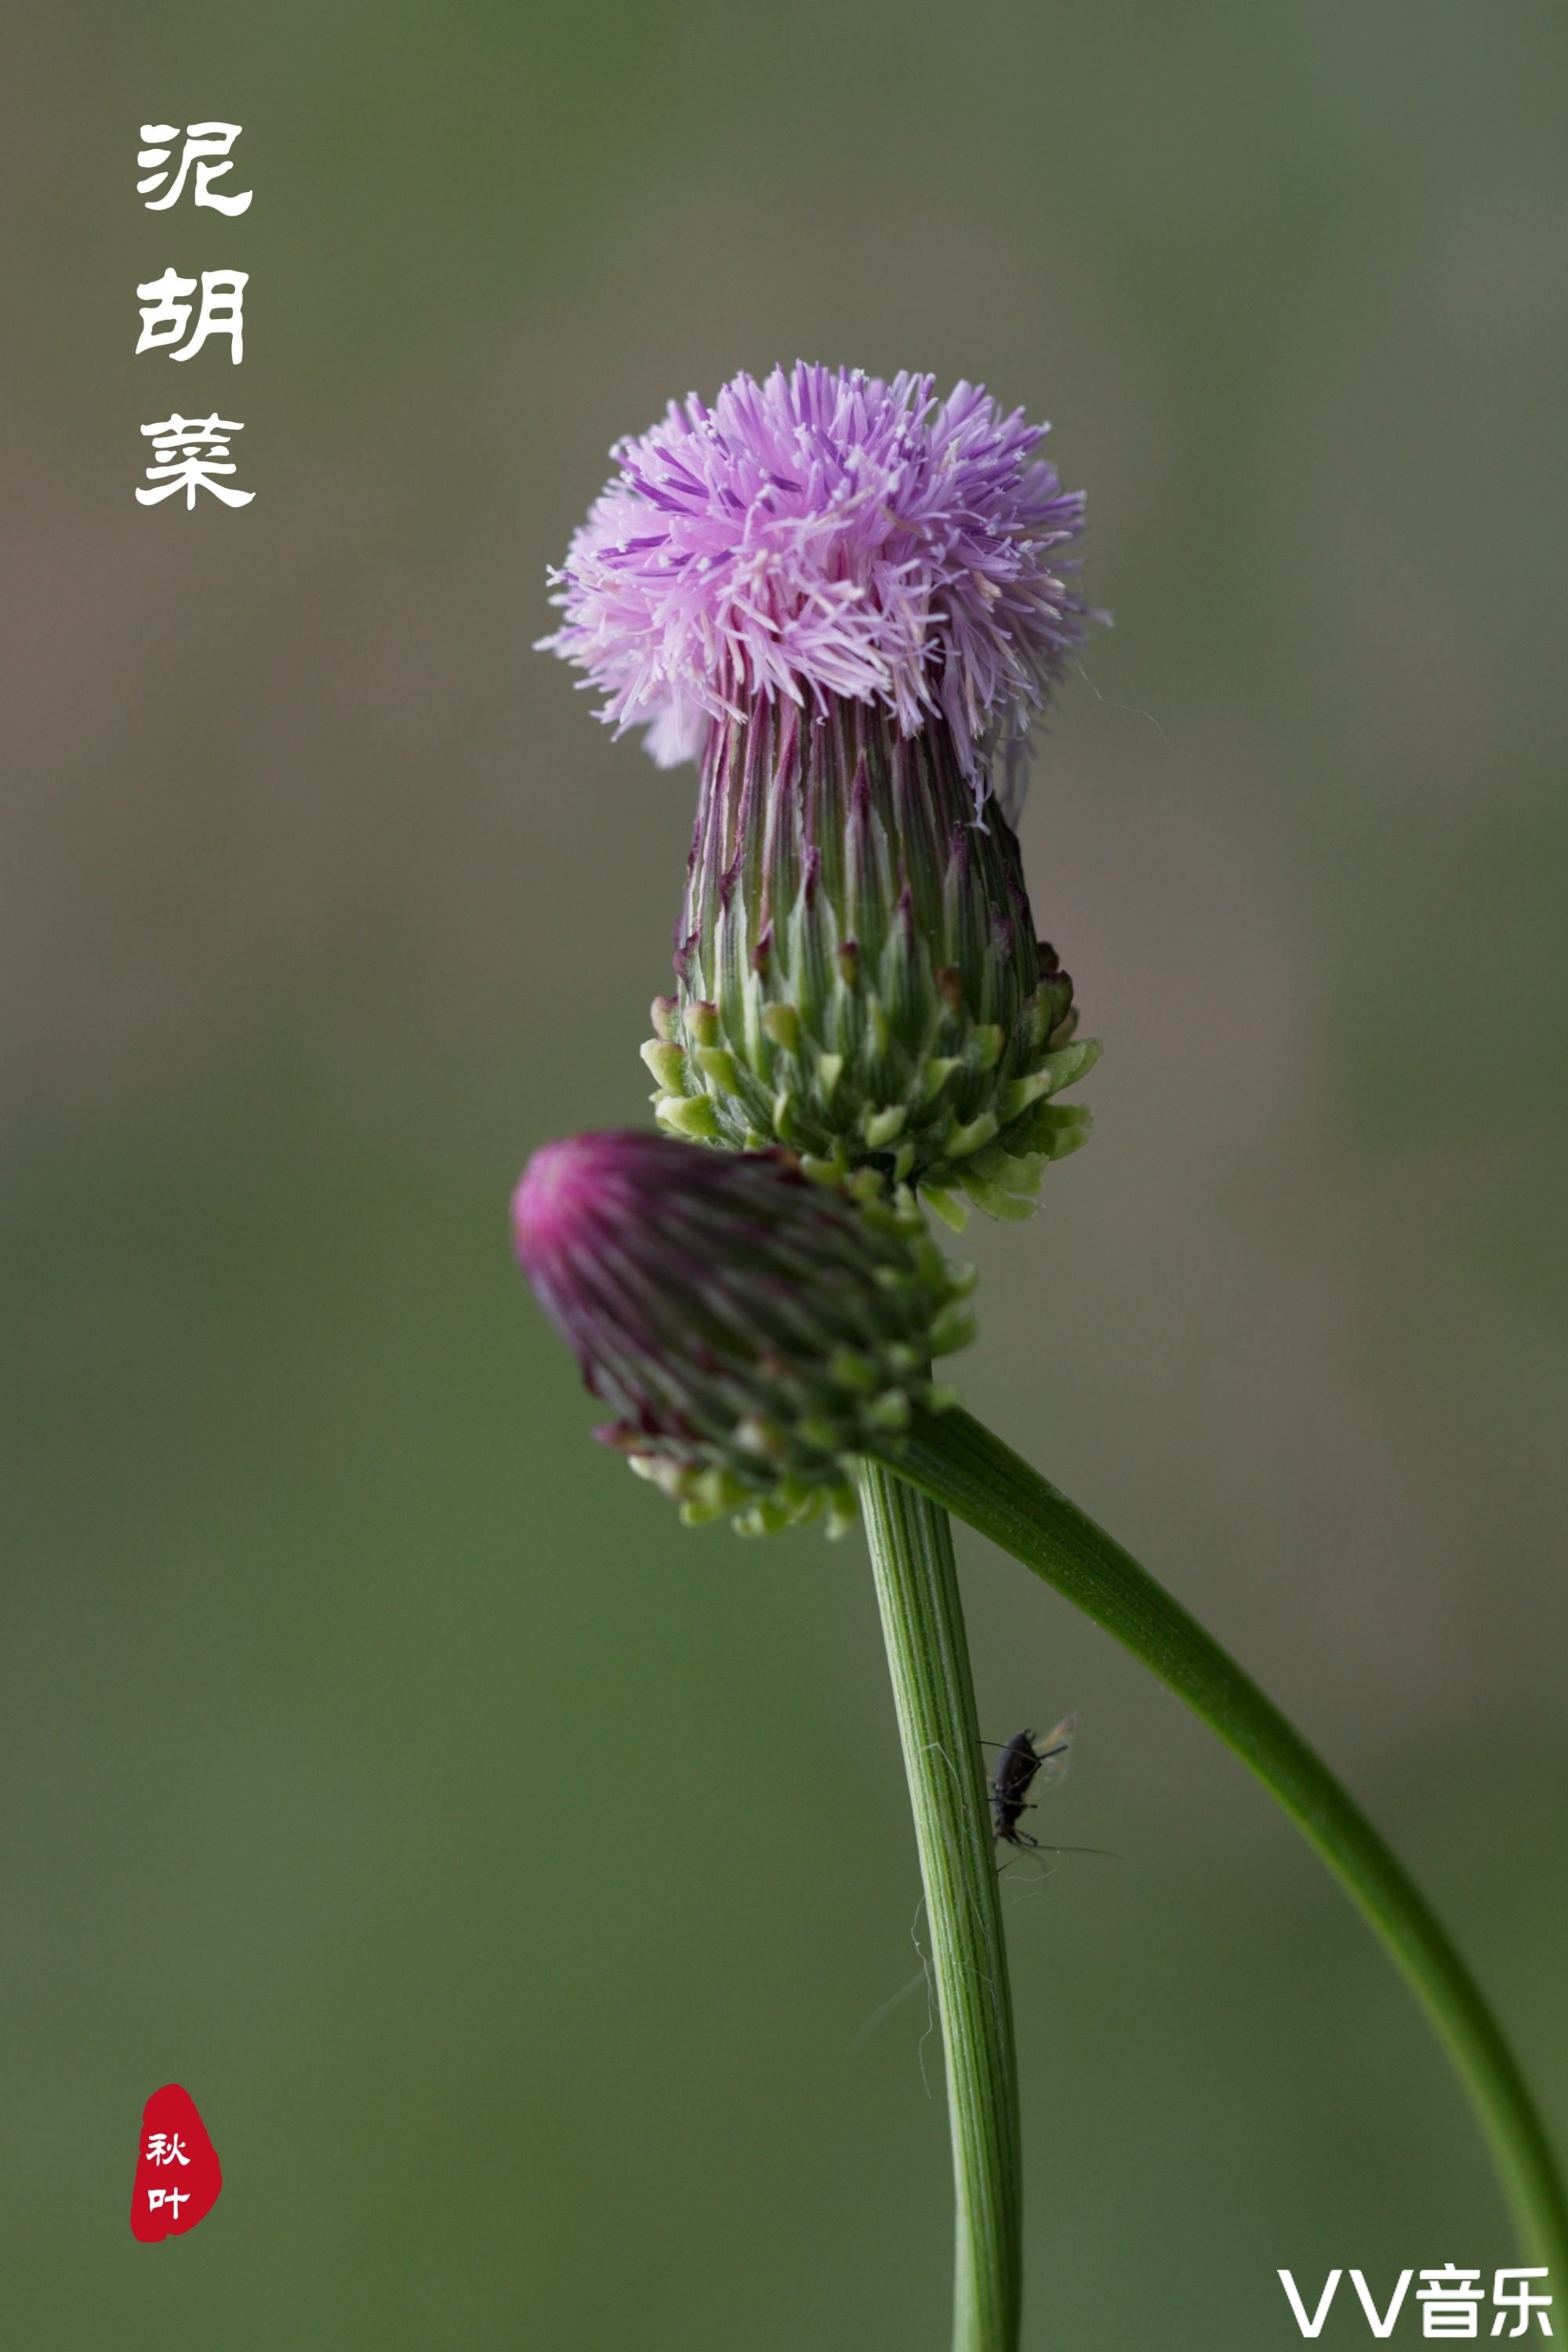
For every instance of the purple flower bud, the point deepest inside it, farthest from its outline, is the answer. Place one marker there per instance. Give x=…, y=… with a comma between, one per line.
x=751, y=1329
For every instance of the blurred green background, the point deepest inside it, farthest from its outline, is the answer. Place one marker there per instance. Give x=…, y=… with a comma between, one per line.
x=506, y=1872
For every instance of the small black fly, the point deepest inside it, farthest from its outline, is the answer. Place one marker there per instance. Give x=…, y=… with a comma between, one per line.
x=1018, y=1767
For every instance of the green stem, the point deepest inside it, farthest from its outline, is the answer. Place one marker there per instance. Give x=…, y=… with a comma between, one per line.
x=934, y=1692
x=956, y=1463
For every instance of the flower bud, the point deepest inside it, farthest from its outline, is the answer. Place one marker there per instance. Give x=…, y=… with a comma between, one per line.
x=752, y=1330
x=851, y=601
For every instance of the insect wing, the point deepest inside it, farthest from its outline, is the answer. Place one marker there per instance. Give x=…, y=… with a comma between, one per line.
x=1054, y=1752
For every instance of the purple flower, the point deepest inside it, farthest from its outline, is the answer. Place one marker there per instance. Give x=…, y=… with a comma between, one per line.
x=827, y=534
x=752, y=1330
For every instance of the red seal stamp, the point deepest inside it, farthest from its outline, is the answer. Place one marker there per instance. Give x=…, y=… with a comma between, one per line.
x=177, y=2173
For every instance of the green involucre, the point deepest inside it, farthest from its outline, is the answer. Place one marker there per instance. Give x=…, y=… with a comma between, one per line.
x=859, y=978
x=805, y=1342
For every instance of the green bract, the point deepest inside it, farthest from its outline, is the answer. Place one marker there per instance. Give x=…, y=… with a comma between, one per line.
x=842, y=1317
x=859, y=973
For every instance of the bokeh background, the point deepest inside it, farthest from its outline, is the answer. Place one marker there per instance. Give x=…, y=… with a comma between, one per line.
x=511, y=1876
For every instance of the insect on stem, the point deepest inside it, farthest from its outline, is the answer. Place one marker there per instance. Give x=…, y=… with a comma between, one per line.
x=1018, y=1766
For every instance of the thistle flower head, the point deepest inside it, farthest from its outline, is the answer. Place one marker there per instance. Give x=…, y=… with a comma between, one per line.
x=826, y=534
x=751, y=1330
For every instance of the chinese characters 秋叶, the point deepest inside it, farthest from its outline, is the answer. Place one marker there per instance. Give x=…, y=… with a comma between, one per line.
x=166, y=2147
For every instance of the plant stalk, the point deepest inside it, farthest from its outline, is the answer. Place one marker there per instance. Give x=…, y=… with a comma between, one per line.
x=955, y=1462
x=933, y=1693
